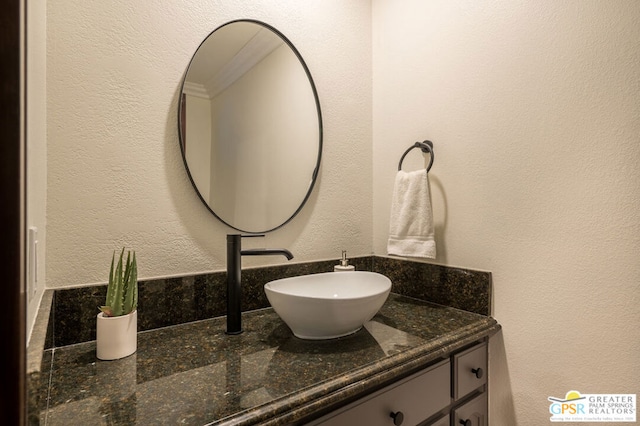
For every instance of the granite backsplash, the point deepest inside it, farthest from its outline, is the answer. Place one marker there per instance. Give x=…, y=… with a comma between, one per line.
x=172, y=301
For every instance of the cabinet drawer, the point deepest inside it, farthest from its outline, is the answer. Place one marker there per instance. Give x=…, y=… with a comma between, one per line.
x=417, y=397
x=469, y=370
x=443, y=421
x=473, y=413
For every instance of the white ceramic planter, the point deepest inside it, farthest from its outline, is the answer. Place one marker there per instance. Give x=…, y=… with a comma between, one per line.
x=116, y=337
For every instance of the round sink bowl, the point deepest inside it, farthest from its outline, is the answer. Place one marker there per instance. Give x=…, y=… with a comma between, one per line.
x=328, y=305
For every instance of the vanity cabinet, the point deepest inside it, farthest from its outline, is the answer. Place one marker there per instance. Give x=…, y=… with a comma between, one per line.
x=472, y=413
x=451, y=392
x=408, y=401
x=442, y=421
x=469, y=381
x=469, y=370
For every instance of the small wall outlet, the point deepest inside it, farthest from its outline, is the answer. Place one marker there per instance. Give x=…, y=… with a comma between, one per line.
x=32, y=262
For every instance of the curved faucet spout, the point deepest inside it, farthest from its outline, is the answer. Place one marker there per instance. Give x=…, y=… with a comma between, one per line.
x=267, y=252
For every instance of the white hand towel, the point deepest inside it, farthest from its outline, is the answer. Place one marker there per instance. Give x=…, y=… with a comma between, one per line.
x=411, y=222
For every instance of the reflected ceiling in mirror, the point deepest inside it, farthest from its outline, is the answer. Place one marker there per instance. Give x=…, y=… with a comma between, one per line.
x=250, y=126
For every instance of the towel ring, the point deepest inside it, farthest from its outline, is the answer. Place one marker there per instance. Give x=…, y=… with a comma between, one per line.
x=426, y=146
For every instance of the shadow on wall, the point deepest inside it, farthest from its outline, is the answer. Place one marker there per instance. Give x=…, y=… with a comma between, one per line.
x=439, y=227
x=500, y=392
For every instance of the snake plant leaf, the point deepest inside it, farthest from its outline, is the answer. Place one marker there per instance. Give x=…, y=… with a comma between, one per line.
x=135, y=280
x=122, y=290
x=117, y=298
x=130, y=280
x=111, y=289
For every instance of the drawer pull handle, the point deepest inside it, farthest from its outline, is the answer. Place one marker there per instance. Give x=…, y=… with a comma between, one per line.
x=398, y=418
x=467, y=422
x=478, y=372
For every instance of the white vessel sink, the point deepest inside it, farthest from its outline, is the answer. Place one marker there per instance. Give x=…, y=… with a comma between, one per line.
x=328, y=305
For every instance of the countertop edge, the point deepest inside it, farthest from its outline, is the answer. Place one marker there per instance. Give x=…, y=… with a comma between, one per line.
x=37, y=342
x=303, y=405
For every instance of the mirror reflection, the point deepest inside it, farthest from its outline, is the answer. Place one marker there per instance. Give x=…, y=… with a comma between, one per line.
x=250, y=126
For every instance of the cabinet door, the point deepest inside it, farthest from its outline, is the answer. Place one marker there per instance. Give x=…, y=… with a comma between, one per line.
x=417, y=398
x=444, y=421
x=469, y=370
x=473, y=413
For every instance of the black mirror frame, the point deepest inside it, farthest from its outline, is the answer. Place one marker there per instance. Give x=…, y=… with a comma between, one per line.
x=320, y=127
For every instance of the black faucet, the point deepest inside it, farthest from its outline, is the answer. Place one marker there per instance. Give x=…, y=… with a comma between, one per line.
x=234, y=287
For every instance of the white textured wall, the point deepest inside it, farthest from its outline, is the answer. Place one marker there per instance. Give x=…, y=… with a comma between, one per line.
x=115, y=174
x=36, y=142
x=533, y=107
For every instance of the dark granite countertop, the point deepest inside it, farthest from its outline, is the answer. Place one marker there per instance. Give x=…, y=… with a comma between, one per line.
x=196, y=374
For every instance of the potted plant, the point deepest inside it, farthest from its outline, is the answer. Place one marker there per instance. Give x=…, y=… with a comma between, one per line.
x=117, y=323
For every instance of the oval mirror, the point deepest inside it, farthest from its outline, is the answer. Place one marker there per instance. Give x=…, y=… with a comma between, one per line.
x=250, y=126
